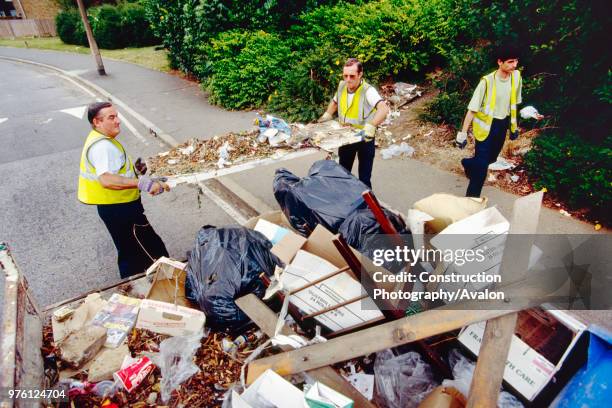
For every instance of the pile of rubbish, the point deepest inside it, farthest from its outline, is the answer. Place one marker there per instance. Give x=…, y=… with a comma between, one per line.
x=206, y=332
x=272, y=137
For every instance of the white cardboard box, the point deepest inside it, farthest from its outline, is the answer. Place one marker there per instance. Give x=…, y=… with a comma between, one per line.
x=166, y=318
x=527, y=371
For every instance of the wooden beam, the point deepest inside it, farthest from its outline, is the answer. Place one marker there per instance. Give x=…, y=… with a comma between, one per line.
x=493, y=354
x=266, y=320
x=489, y=372
x=406, y=330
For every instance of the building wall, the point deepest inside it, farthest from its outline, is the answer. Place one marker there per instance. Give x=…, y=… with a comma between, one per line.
x=38, y=9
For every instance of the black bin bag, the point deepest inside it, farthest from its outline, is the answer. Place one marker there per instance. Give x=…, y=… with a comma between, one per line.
x=226, y=264
x=326, y=196
x=362, y=224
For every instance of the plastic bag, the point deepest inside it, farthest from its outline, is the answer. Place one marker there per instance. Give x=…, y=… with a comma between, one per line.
x=463, y=370
x=327, y=196
x=223, y=155
x=175, y=361
x=273, y=129
x=402, y=381
x=397, y=150
x=224, y=265
x=361, y=224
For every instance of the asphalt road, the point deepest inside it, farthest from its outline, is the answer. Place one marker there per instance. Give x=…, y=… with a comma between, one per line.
x=61, y=245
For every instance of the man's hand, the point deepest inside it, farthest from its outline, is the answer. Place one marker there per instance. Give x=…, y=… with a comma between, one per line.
x=153, y=186
x=461, y=140
x=140, y=166
x=326, y=117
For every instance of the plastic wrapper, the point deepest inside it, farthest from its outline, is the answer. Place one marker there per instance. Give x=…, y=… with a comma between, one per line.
x=224, y=265
x=401, y=381
x=327, y=196
x=463, y=370
x=397, y=150
x=175, y=361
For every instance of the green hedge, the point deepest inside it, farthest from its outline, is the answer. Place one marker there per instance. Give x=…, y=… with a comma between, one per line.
x=246, y=66
x=574, y=169
x=125, y=25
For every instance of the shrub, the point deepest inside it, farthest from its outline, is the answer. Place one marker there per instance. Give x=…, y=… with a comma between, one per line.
x=575, y=170
x=308, y=86
x=106, y=26
x=135, y=26
x=245, y=67
x=66, y=23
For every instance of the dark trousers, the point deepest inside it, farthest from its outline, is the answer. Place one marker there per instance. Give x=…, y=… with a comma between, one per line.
x=365, y=154
x=486, y=153
x=127, y=225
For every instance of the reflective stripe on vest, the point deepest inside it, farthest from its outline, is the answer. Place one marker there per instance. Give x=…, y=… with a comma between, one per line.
x=90, y=190
x=360, y=111
x=484, y=117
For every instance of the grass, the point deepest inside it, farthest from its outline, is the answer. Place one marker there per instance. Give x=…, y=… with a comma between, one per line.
x=146, y=56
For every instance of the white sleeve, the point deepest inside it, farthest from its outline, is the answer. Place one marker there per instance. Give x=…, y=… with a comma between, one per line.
x=373, y=96
x=105, y=157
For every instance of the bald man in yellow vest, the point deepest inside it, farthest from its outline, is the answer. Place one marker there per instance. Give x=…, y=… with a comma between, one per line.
x=108, y=179
x=359, y=105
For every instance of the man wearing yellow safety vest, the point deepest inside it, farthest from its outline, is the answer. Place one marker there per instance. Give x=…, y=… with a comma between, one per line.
x=492, y=111
x=359, y=105
x=108, y=179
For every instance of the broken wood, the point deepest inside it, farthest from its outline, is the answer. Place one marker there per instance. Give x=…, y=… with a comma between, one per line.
x=493, y=354
x=266, y=320
x=392, y=334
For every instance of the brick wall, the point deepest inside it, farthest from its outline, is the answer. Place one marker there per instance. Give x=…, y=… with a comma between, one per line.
x=39, y=9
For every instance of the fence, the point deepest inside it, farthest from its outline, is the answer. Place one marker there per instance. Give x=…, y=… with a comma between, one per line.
x=27, y=28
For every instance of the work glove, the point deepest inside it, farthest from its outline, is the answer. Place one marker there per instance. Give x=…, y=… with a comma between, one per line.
x=461, y=140
x=326, y=117
x=367, y=133
x=140, y=166
x=153, y=185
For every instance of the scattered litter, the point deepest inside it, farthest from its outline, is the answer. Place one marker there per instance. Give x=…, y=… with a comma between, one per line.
x=492, y=177
x=223, y=155
x=402, y=381
x=163, y=154
x=397, y=150
x=428, y=133
x=175, y=361
x=514, y=178
x=133, y=372
x=172, y=161
x=563, y=212
x=501, y=164
x=403, y=93
x=529, y=112
x=187, y=150
x=408, y=136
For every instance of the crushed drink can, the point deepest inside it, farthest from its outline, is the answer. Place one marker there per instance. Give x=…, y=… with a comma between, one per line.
x=131, y=375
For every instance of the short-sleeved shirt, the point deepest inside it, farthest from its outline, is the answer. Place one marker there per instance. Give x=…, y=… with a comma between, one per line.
x=372, y=96
x=502, y=98
x=105, y=157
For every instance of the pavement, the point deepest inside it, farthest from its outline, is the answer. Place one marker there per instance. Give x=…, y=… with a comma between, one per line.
x=179, y=109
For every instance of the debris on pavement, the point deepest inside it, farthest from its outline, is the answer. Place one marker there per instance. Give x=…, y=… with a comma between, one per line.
x=403, y=149
x=82, y=345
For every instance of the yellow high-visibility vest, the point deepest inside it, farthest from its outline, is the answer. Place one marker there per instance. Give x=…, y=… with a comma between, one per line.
x=484, y=117
x=360, y=111
x=90, y=190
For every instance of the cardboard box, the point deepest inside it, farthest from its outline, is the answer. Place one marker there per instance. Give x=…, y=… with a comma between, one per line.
x=286, y=242
x=322, y=396
x=270, y=389
x=166, y=318
x=168, y=282
x=527, y=371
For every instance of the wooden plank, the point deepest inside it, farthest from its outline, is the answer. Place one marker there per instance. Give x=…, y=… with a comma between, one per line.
x=406, y=330
x=493, y=354
x=266, y=320
x=489, y=372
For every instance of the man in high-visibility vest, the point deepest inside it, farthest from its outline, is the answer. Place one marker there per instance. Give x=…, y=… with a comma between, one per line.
x=108, y=179
x=492, y=111
x=359, y=105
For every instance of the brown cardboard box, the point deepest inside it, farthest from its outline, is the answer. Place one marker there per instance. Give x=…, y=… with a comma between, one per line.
x=168, y=282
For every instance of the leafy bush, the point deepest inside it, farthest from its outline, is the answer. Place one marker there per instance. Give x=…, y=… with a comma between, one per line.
x=66, y=22
x=246, y=66
x=575, y=170
x=106, y=27
x=308, y=86
x=135, y=26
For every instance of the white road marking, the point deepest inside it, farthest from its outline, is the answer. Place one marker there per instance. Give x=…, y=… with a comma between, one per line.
x=87, y=91
x=44, y=122
x=78, y=112
x=2, y=120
